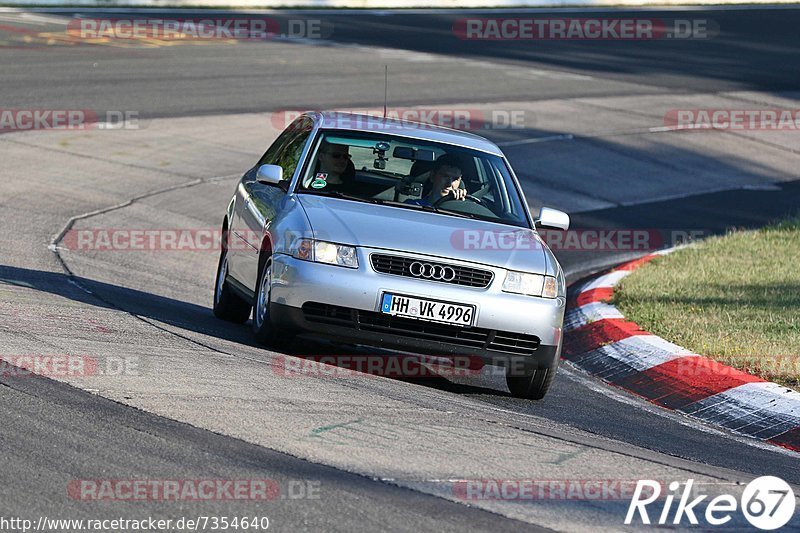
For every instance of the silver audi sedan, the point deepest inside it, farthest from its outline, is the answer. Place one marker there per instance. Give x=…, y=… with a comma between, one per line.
x=394, y=234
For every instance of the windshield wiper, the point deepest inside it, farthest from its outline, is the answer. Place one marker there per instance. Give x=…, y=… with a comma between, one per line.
x=429, y=208
x=451, y=212
x=340, y=194
x=381, y=201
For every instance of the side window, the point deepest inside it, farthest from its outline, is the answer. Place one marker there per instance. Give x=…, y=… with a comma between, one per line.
x=272, y=155
x=290, y=156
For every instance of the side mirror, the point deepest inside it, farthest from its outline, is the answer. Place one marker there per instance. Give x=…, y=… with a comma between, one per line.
x=269, y=174
x=553, y=218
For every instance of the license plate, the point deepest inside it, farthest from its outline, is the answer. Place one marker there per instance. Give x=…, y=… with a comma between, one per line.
x=435, y=311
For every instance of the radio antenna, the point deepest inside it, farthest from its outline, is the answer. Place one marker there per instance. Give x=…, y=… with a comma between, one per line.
x=385, y=87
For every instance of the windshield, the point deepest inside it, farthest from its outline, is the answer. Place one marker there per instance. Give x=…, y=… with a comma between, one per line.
x=413, y=174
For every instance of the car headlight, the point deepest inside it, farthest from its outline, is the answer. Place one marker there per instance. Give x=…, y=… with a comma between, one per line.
x=531, y=284
x=325, y=252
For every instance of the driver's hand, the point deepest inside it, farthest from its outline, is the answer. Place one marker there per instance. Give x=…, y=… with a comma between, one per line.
x=458, y=193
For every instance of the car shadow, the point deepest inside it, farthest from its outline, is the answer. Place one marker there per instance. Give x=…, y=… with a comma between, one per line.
x=199, y=319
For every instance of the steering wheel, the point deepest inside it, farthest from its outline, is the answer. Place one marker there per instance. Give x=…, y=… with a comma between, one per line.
x=451, y=197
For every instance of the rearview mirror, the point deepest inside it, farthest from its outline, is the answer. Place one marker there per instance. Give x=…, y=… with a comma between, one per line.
x=407, y=152
x=269, y=174
x=553, y=218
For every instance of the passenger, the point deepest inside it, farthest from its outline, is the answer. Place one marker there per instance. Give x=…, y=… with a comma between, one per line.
x=445, y=179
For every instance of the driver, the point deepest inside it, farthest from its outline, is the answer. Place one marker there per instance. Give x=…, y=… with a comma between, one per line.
x=445, y=179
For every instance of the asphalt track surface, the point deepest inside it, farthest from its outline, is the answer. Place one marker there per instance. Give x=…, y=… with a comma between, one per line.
x=611, y=171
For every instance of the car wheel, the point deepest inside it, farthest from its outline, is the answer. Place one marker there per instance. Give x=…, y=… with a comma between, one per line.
x=533, y=383
x=227, y=304
x=264, y=330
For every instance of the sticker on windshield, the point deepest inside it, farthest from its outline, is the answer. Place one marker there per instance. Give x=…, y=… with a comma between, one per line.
x=320, y=181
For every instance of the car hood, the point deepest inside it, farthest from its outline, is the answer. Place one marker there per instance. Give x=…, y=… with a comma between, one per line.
x=410, y=230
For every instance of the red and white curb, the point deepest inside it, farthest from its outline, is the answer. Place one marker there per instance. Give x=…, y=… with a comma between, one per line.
x=601, y=342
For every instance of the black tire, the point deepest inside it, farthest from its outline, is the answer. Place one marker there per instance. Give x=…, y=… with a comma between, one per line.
x=227, y=304
x=264, y=330
x=532, y=383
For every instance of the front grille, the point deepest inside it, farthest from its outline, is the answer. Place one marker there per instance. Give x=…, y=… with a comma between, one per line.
x=477, y=338
x=401, y=266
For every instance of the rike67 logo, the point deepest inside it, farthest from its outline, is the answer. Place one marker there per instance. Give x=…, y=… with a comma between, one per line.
x=767, y=503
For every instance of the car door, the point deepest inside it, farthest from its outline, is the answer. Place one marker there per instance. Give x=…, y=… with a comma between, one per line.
x=239, y=244
x=262, y=202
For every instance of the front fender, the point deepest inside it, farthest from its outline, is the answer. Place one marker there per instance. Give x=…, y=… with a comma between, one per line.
x=292, y=224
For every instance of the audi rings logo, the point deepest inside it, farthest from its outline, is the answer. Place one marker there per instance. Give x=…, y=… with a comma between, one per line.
x=435, y=272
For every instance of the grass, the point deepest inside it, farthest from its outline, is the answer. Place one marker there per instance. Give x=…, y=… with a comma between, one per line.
x=735, y=299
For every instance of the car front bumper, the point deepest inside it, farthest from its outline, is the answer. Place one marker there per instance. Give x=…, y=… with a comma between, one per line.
x=344, y=303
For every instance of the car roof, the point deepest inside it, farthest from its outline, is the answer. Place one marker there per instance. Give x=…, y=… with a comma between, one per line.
x=336, y=120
